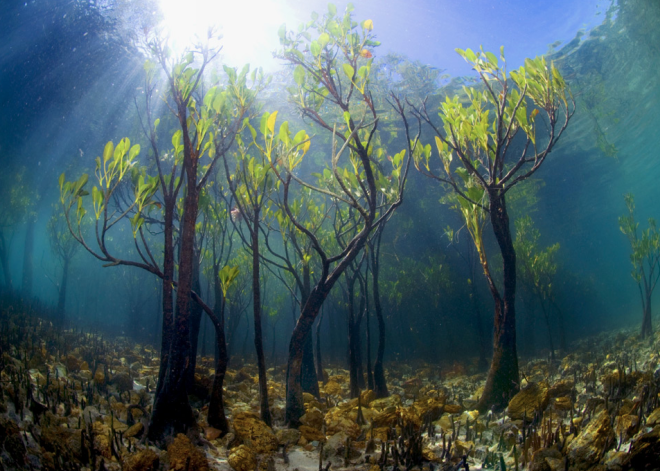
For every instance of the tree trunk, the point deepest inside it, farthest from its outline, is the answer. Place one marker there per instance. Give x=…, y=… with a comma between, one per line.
x=294, y=400
x=216, y=414
x=258, y=336
x=353, y=342
x=195, y=322
x=503, y=379
x=294, y=397
x=370, y=371
x=27, y=258
x=172, y=412
x=4, y=260
x=380, y=385
x=61, y=295
x=647, y=328
x=319, y=361
x=309, y=378
x=548, y=326
x=167, y=292
x=203, y=350
x=562, y=329
x=358, y=337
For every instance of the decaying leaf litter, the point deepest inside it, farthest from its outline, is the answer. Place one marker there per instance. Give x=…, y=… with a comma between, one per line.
x=74, y=400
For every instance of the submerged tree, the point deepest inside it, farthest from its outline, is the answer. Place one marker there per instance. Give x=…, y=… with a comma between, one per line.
x=538, y=268
x=379, y=382
x=470, y=260
x=250, y=185
x=206, y=126
x=296, y=266
x=65, y=246
x=645, y=258
x=17, y=201
x=477, y=151
x=331, y=60
x=216, y=415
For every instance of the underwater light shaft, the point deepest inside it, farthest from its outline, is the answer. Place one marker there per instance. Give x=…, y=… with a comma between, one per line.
x=247, y=28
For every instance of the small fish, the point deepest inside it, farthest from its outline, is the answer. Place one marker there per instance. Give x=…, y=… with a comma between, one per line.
x=366, y=53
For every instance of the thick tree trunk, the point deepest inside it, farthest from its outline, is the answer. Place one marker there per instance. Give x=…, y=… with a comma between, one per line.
x=258, y=335
x=61, y=295
x=195, y=322
x=294, y=400
x=27, y=258
x=172, y=412
x=294, y=397
x=503, y=379
x=167, y=328
x=309, y=380
x=216, y=414
x=317, y=357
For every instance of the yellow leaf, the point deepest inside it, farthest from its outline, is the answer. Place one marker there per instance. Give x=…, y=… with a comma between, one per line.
x=306, y=145
x=368, y=25
x=271, y=121
x=438, y=144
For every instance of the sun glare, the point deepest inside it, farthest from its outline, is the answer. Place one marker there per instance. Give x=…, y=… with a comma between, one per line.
x=248, y=28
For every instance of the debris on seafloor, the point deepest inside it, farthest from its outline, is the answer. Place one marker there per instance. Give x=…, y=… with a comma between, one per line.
x=76, y=401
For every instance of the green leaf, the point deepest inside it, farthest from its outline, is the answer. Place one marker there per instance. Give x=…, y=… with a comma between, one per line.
x=156, y=123
x=108, y=151
x=349, y=70
x=492, y=59
x=299, y=74
x=135, y=150
x=299, y=137
x=347, y=118
x=253, y=131
x=219, y=101
x=333, y=27
x=315, y=48
x=281, y=32
x=176, y=139
x=82, y=181
x=463, y=173
x=264, y=122
x=323, y=39
x=284, y=132
x=227, y=276
x=332, y=9
x=231, y=73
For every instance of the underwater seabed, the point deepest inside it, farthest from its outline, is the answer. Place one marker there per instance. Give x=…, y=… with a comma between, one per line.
x=74, y=401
